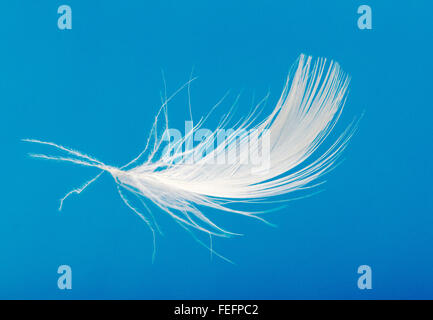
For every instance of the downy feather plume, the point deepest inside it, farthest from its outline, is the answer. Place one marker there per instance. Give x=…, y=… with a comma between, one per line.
x=180, y=182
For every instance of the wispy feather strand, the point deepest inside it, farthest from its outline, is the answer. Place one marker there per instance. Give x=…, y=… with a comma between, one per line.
x=305, y=114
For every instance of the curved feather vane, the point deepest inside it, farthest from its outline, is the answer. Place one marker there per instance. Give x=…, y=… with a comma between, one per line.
x=251, y=163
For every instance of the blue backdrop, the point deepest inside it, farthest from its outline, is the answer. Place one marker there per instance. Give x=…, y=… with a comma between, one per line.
x=97, y=88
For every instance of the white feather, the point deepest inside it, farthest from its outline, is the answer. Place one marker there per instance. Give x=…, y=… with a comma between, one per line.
x=181, y=181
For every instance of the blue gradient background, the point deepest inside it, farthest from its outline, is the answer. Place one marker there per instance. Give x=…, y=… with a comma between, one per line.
x=97, y=87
